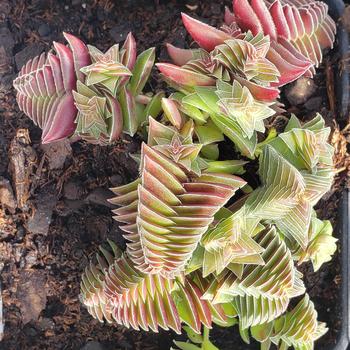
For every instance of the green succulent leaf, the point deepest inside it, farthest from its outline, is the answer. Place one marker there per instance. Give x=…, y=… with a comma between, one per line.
x=210, y=152
x=154, y=106
x=322, y=245
x=141, y=71
x=128, y=105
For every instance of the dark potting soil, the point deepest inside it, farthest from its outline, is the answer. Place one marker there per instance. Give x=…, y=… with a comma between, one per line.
x=45, y=245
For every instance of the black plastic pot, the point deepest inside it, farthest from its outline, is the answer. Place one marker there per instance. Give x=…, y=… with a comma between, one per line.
x=342, y=76
x=342, y=342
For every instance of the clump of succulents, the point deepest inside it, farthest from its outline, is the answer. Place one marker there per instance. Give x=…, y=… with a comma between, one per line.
x=203, y=246
x=81, y=90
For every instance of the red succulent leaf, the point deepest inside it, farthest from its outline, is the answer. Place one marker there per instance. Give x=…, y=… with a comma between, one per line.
x=287, y=64
x=116, y=124
x=184, y=76
x=65, y=56
x=246, y=16
x=276, y=11
x=130, y=53
x=262, y=93
x=179, y=56
x=81, y=55
x=306, y=26
x=206, y=36
x=61, y=120
x=265, y=18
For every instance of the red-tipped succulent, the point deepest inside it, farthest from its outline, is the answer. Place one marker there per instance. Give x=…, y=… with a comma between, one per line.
x=242, y=59
x=45, y=85
x=293, y=25
x=298, y=31
x=82, y=90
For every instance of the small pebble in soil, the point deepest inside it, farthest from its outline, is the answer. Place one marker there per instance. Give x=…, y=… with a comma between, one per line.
x=93, y=345
x=300, y=91
x=31, y=259
x=116, y=180
x=314, y=103
x=73, y=190
x=31, y=294
x=44, y=29
x=119, y=32
x=40, y=222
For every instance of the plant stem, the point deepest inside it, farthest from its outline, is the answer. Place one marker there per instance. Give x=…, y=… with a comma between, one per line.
x=205, y=333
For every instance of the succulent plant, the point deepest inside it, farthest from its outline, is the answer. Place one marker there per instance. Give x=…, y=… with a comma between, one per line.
x=202, y=245
x=322, y=245
x=233, y=79
x=298, y=328
x=301, y=26
x=242, y=59
x=116, y=291
x=45, y=88
x=172, y=198
x=84, y=91
x=191, y=261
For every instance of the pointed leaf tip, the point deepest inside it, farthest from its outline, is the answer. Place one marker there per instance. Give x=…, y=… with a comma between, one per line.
x=205, y=35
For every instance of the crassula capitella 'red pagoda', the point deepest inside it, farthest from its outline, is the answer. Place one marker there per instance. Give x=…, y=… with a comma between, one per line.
x=204, y=246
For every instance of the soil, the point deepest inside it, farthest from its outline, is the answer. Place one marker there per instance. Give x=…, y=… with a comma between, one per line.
x=56, y=213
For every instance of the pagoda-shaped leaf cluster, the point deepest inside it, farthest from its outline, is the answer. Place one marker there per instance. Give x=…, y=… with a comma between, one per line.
x=81, y=90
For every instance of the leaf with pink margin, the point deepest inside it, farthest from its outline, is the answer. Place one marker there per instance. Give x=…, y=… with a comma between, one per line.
x=246, y=17
x=80, y=54
x=172, y=112
x=182, y=56
x=129, y=55
x=65, y=56
x=183, y=76
x=115, y=127
x=277, y=14
x=63, y=121
x=265, y=18
x=262, y=93
x=142, y=70
x=128, y=105
x=289, y=72
x=204, y=35
x=289, y=16
x=56, y=71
